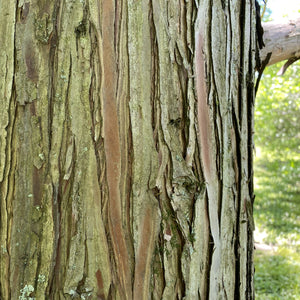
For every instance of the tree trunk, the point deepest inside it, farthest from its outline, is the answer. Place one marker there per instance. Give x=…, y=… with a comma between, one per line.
x=126, y=149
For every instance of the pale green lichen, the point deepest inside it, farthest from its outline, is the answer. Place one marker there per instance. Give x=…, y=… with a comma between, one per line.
x=41, y=278
x=73, y=293
x=26, y=292
x=43, y=28
x=64, y=78
x=3, y=248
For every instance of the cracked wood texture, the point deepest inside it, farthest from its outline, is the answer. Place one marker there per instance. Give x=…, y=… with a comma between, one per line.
x=126, y=149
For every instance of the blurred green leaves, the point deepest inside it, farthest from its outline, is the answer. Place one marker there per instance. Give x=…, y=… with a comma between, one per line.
x=277, y=276
x=277, y=119
x=277, y=183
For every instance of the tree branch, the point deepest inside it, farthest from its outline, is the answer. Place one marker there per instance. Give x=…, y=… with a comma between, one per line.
x=282, y=40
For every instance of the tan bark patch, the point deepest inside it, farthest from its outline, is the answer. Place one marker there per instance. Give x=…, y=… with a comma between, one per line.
x=31, y=63
x=203, y=114
x=112, y=150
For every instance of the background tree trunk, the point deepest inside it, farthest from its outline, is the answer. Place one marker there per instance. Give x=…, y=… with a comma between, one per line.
x=126, y=149
x=282, y=40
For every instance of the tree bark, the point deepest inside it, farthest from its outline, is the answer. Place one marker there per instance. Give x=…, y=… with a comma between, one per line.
x=126, y=149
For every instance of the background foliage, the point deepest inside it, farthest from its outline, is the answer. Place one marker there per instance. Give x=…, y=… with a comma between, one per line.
x=277, y=184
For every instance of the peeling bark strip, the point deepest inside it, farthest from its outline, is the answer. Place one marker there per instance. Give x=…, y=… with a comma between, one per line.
x=222, y=54
x=125, y=149
x=206, y=139
x=112, y=148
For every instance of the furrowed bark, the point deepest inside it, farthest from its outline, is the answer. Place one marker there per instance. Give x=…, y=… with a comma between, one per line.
x=126, y=149
x=224, y=57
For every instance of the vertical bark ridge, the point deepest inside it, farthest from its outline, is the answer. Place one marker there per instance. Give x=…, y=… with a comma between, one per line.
x=176, y=178
x=7, y=121
x=225, y=96
x=113, y=150
x=145, y=166
x=206, y=101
